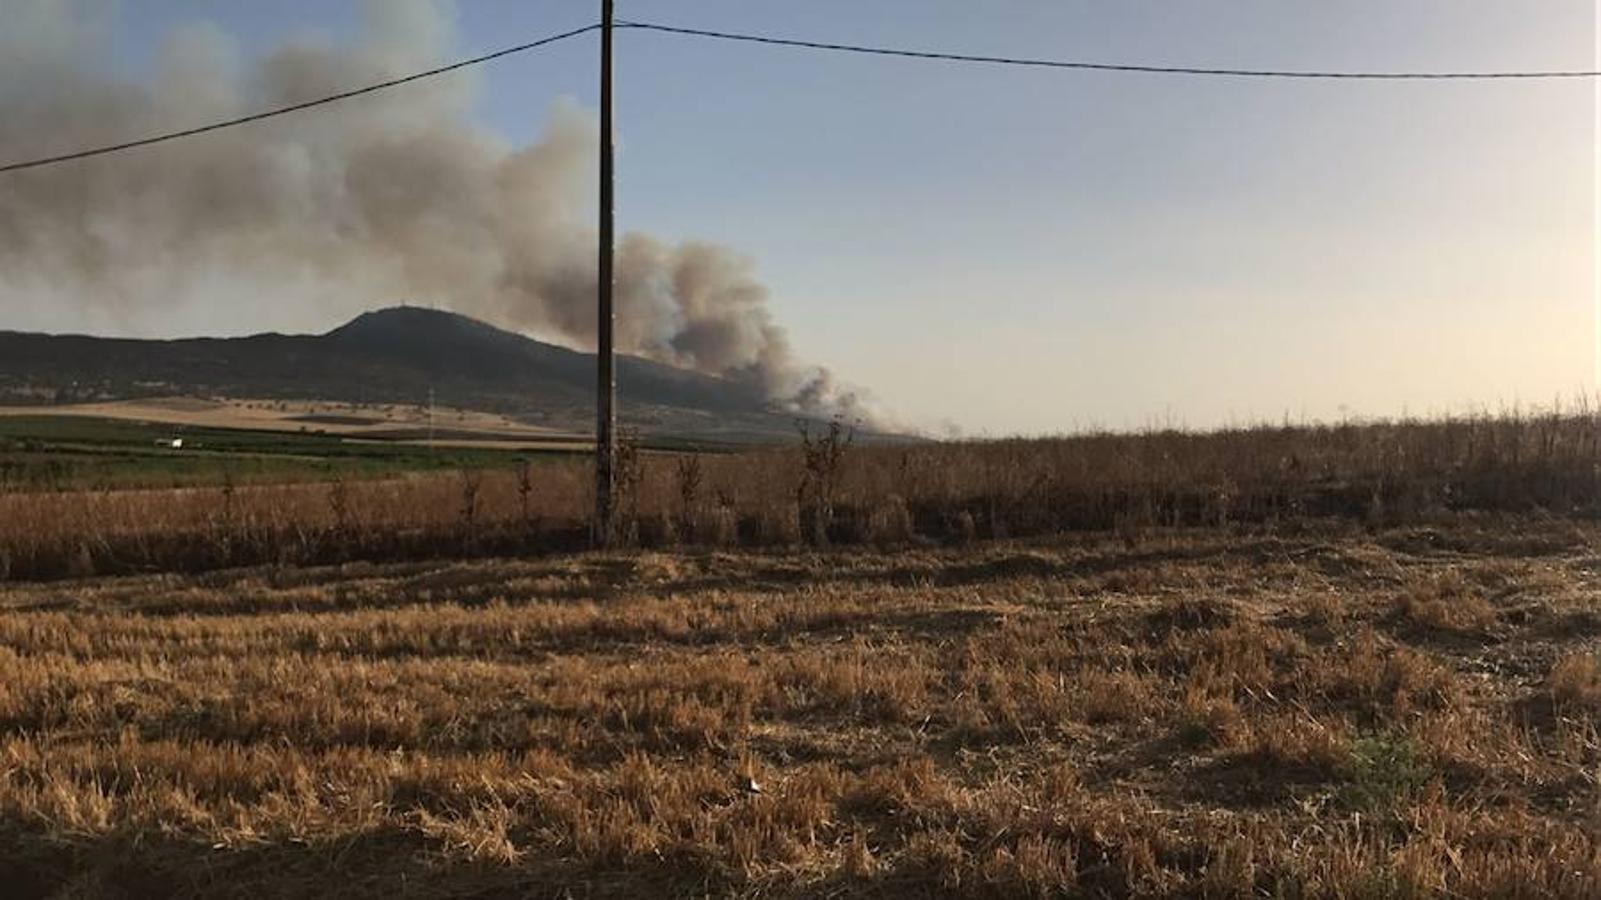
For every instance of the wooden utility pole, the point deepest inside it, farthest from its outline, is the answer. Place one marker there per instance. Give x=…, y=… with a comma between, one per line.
x=605, y=361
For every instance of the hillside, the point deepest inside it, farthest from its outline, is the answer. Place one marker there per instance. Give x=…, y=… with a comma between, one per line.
x=399, y=355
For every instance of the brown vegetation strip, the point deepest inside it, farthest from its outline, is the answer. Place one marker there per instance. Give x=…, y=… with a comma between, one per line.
x=828, y=493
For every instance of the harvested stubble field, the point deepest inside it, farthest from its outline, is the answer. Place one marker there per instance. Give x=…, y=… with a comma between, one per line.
x=1322, y=710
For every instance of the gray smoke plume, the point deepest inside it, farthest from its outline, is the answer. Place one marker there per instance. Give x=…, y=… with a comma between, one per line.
x=335, y=210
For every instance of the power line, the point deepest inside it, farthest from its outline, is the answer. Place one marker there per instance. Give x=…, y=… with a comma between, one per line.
x=790, y=42
x=284, y=110
x=1100, y=67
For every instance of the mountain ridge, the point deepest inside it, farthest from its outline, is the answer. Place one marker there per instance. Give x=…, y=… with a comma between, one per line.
x=395, y=355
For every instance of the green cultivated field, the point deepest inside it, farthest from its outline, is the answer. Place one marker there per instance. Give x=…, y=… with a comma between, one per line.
x=68, y=452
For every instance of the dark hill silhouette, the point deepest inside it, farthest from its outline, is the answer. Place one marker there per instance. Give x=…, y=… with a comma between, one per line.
x=394, y=355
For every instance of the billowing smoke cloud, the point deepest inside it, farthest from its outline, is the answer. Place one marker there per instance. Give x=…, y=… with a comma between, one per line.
x=367, y=202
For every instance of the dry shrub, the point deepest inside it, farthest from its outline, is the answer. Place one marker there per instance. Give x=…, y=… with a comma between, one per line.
x=823, y=458
x=875, y=683
x=1209, y=720
x=936, y=858
x=1326, y=610
x=779, y=526
x=656, y=530
x=1060, y=784
x=1385, y=681
x=910, y=788
x=82, y=562
x=859, y=860
x=1032, y=866
x=1301, y=744
x=1284, y=755
x=1191, y=613
x=690, y=475
x=481, y=835
x=1575, y=682
x=525, y=492
x=1243, y=658
x=1230, y=870
x=1447, y=603
x=1101, y=697
x=1478, y=746
x=890, y=522
x=961, y=528
x=723, y=530
x=472, y=487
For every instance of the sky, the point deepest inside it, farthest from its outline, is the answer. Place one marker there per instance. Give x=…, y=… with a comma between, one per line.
x=991, y=251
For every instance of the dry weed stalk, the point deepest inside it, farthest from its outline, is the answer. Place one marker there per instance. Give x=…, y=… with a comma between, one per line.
x=822, y=456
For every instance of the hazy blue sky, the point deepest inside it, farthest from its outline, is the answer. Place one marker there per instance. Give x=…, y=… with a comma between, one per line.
x=1033, y=250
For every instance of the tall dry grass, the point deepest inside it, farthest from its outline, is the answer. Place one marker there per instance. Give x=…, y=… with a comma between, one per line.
x=827, y=491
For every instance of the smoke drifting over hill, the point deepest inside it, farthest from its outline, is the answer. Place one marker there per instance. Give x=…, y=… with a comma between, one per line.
x=398, y=196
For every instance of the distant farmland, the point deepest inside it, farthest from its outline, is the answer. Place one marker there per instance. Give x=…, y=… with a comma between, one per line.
x=41, y=452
